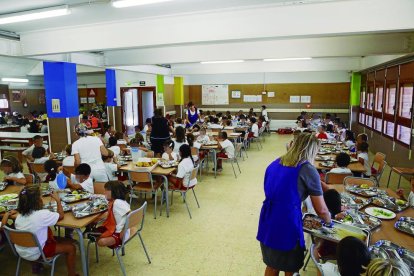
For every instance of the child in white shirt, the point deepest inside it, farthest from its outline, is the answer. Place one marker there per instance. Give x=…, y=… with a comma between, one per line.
x=255, y=128
x=113, y=146
x=350, y=140
x=226, y=147
x=40, y=156
x=363, y=157
x=118, y=209
x=81, y=180
x=203, y=137
x=179, y=139
x=342, y=161
x=169, y=153
x=13, y=171
x=194, y=144
x=111, y=168
x=184, y=171
x=33, y=218
x=53, y=170
x=69, y=160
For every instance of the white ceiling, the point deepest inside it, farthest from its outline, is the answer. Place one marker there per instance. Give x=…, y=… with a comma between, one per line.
x=341, y=36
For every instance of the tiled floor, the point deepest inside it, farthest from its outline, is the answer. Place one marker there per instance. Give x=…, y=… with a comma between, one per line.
x=219, y=240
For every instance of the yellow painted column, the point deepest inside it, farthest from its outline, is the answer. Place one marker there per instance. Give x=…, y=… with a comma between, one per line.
x=178, y=91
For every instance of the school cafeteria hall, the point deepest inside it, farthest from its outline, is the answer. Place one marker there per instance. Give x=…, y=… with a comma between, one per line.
x=191, y=137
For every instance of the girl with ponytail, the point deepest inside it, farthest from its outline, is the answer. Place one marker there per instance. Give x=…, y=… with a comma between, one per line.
x=185, y=168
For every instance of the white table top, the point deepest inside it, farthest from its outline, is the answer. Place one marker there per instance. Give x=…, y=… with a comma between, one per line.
x=20, y=135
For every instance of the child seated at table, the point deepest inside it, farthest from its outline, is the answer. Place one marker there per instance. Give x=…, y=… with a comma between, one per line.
x=13, y=171
x=350, y=140
x=203, y=137
x=184, y=170
x=81, y=180
x=342, y=161
x=122, y=139
x=69, y=160
x=363, y=158
x=194, y=144
x=111, y=233
x=410, y=198
x=254, y=133
x=215, y=124
x=227, y=149
x=169, y=153
x=179, y=123
x=111, y=167
x=179, y=138
x=40, y=156
x=31, y=217
x=322, y=132
x=113, y=146
x=138, y=143
x=361, y=138
x=53, y=170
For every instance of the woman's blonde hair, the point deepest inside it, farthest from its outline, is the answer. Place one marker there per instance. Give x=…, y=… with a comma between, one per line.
x=304, y=148
x=387, y=267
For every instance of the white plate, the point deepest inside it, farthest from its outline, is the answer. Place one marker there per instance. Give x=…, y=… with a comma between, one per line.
x=373, y=211
x=7, y=197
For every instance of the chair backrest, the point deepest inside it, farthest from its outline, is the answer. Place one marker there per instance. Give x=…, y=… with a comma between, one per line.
x=37, y=168
x=30, y=179
x=336, y=178
x=194, y=173
x=68, y=170
x=99, y=188
x=140, y=176
x=351, y=180
x=229, y=132
x=135, y=219
x=22, y=238
x=315, y=259
x=149, y=154
x=194, y=151
x=378, y=162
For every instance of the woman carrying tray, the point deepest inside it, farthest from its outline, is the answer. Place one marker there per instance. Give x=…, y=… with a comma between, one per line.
x=288, y=181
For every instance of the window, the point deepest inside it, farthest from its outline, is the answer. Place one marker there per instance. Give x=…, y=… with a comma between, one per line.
x=390, y=99
x=4, y=103
x=362, y=98
x=369, y=121
x=406, y=99
x=362, y=118
x=404, y=134
x=378, y=124
x=370, y=101
x=389, y=128
x=378, y=98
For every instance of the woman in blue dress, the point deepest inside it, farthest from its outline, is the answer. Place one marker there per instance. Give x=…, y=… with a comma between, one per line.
x=192, y=114
x=289, y=180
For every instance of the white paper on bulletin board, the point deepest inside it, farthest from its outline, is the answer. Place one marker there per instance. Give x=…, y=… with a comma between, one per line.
x=91, y=100
x=271, y=94
x=216, y=94
x=305, y=99
x=252, y=98
x=236, y=94
x=83, y=100
x=294, y=99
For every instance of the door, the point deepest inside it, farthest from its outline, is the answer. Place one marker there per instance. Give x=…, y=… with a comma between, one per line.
x=130, y=115
x=148, y=105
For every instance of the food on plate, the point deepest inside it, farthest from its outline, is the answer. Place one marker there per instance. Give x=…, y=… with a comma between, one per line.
x=3, y=209
x=380, y=212
x=312, y=223
x=378, y=202
x=8, y=197
x=400, y=202
x=364, y=186
x=358, y=200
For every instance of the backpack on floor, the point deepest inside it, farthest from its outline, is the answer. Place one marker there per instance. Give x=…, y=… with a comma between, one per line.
x=286, y=130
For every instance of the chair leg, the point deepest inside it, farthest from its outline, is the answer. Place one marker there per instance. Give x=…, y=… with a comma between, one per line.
x=121, y=263
x=162, y=201
x=96, y=252
x=399, y=181
x=186, y=205
x=195, y=198
x=389, y=178
x=234, y=171
x=19, y=261
x=145, y=249
x=237, y=162
x=155, y=205
x=306, y=263
x=52, y=272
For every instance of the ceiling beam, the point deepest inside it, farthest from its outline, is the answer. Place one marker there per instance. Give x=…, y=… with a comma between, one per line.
x=321, y=19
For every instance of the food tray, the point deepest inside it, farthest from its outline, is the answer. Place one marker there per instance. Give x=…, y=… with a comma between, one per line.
x=390, y=203
x=335, y=234
x=74, y=196
x=406, y=225
x=324, y=158
x=211, y=143
x=328, y=164
x=353, y=160
x=146, y=164
x=52, y=206
x=350, y=200
x=95, y=206
x=168, y=164
x=125, y=158
x=385, y=249
x=369, y=222
x=3, y=186
x=7, y=197
x=356, y=189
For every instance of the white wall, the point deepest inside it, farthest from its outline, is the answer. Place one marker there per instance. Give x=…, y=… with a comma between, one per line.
x=132, y=79
x=254, y=78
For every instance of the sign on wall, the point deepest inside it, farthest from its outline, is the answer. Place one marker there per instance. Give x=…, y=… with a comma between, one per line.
x=215, y=94
x=236, y=94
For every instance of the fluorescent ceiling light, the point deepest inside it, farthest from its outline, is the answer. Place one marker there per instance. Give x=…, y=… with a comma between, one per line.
x=14, y=80
x=222, y=61
x=34, y=14
x=131, y=3
x=286, y=59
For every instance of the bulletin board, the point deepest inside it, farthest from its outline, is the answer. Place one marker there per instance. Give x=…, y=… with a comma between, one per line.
x=215, y=94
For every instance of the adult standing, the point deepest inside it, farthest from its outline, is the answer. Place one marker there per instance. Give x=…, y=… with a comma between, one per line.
x=288, y=181
x=193, y=114
x=160, y=131
x=89, y=150
x=264, y=113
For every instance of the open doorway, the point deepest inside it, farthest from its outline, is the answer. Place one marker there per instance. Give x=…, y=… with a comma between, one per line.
x=138, y=104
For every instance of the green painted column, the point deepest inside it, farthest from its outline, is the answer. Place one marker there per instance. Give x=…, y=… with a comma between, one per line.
x=178, y=91
x=354, y=98
x=160, y=90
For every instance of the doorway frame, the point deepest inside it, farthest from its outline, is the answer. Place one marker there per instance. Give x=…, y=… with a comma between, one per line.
x=140, y=89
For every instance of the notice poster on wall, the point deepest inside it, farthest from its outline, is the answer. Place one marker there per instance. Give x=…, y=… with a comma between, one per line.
x=294, y=99
x=305, y=99
x=215, y=94
x=160, y=99
x=252, y=98
x=236, y=94
x=91, y=100
x=83, y=100
x=16, y=96
x=271, y=94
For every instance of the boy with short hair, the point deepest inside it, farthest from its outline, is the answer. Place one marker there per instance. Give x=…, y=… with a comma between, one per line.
x=37, y=142
x=81, y=179
x=342, y=161
x=227, y=149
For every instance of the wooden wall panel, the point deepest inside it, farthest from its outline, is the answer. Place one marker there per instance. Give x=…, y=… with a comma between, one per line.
x=32, y=98
x=331, y=94
x=100, y=94
x=169, y=94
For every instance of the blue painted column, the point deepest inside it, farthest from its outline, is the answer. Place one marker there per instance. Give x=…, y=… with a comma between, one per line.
x=62, y=104
x=113, y=110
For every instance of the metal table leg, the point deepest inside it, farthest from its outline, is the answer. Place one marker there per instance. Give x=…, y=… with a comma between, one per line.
x=85, y=271
x=215, y=162
x=389, y=178
x=399, y=181
x=166, y=195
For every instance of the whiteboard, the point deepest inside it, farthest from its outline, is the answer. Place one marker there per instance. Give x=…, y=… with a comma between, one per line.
x=215, y=94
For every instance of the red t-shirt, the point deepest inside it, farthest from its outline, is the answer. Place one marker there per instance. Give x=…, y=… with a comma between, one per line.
x=95, y=122
x=322, y=136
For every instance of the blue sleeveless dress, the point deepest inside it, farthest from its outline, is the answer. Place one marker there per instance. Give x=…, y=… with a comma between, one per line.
x=192, y=118
x=280, y=226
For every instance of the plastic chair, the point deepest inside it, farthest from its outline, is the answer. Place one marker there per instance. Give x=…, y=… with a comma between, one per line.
x=336, y=178
x=200, y=162
x=242, y=149
x=37, y=169
x=233, y=160
x=379, y=165
x=142, y=182
x=99, y=188
x=30, y=178
x=149, y=154
x=258, y=141
x=135, y=220
x=315, y=259
x=183, y=190
x=27, y=239
x=351, y=180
